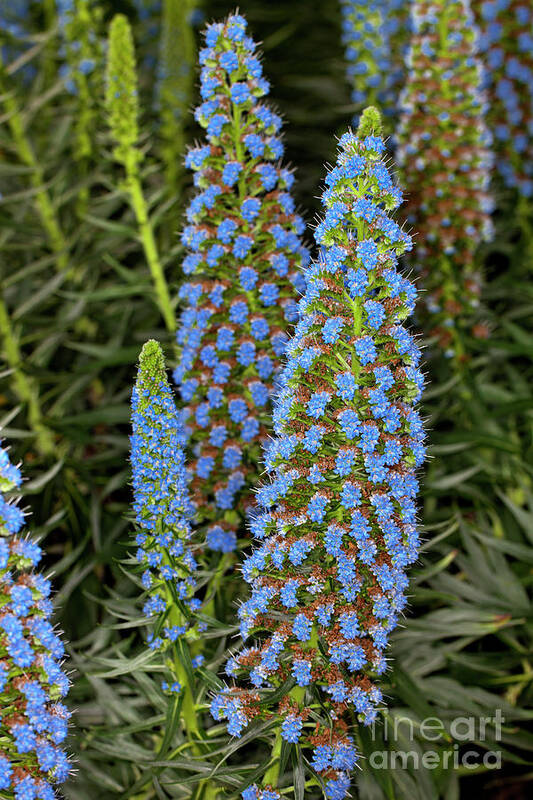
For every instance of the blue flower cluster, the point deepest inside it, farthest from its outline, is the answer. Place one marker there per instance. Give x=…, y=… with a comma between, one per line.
x=445, y=162
x=506, y=45
x=33, y=721
x=244, y=251
x=161, y=503
x=338, y=526
x=256, y=793
x=364, y=35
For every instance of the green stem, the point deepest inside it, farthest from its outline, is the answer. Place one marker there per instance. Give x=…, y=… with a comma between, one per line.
x=50, y=53
x=214, y=584
x=271, y=776
x=190, y=719
x=524, y=217
x=146, y=234
x=45, y=208
x=24, y=387
x=83, y=148
x=188, y=708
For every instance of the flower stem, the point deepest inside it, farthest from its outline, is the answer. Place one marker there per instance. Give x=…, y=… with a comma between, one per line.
x=188, y=709
x=214, y=584
x=297, y=694
x=271, y=776
x=524, y=218
x=146, y=233
x=24, y=386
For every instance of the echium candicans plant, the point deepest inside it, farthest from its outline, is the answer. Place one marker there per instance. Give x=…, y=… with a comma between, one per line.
x=163, y=513
x=33, y=722
x=175, y=81
x=337, y=529
x=149, y=15
x=444, y=158
x=122, y=107
x=83, y=52
x=397, y=34
x=244, y=255
x=506, y=46
x=367, y=52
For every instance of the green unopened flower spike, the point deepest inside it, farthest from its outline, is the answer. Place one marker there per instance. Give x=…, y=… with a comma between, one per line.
x=121, y=92
x=122, y=106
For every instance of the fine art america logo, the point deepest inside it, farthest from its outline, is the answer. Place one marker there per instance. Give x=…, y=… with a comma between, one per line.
x=456, y=741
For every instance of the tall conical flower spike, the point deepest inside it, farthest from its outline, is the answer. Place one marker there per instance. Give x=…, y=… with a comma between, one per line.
x=364, y=35
x=244, y=250
x=175, y=83
x=445, y=163
x=163, y=510
x=338, y=526
x=506, y=46
x=397, y=33
x=33, y=722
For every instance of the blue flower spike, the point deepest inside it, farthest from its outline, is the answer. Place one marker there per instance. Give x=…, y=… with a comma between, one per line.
x=33, y=721
x=506, y=46
x=337, y=530
x=445, y=163
x=244, y=256
x=163, y=512
x=367, y=51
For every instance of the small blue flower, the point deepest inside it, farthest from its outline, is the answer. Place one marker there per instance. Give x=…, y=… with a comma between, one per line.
x=250, y=208
x=301, y=627
x=291, y=728
x=346, y=385
x=317, y=404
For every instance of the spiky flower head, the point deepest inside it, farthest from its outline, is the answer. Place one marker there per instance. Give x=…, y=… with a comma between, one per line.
x=506, y=46
x=364, y=36
x=33, y=723
x=445, y=161
x=121, y=100
x=161, y=503
x=244, y=252
x=338, y=526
